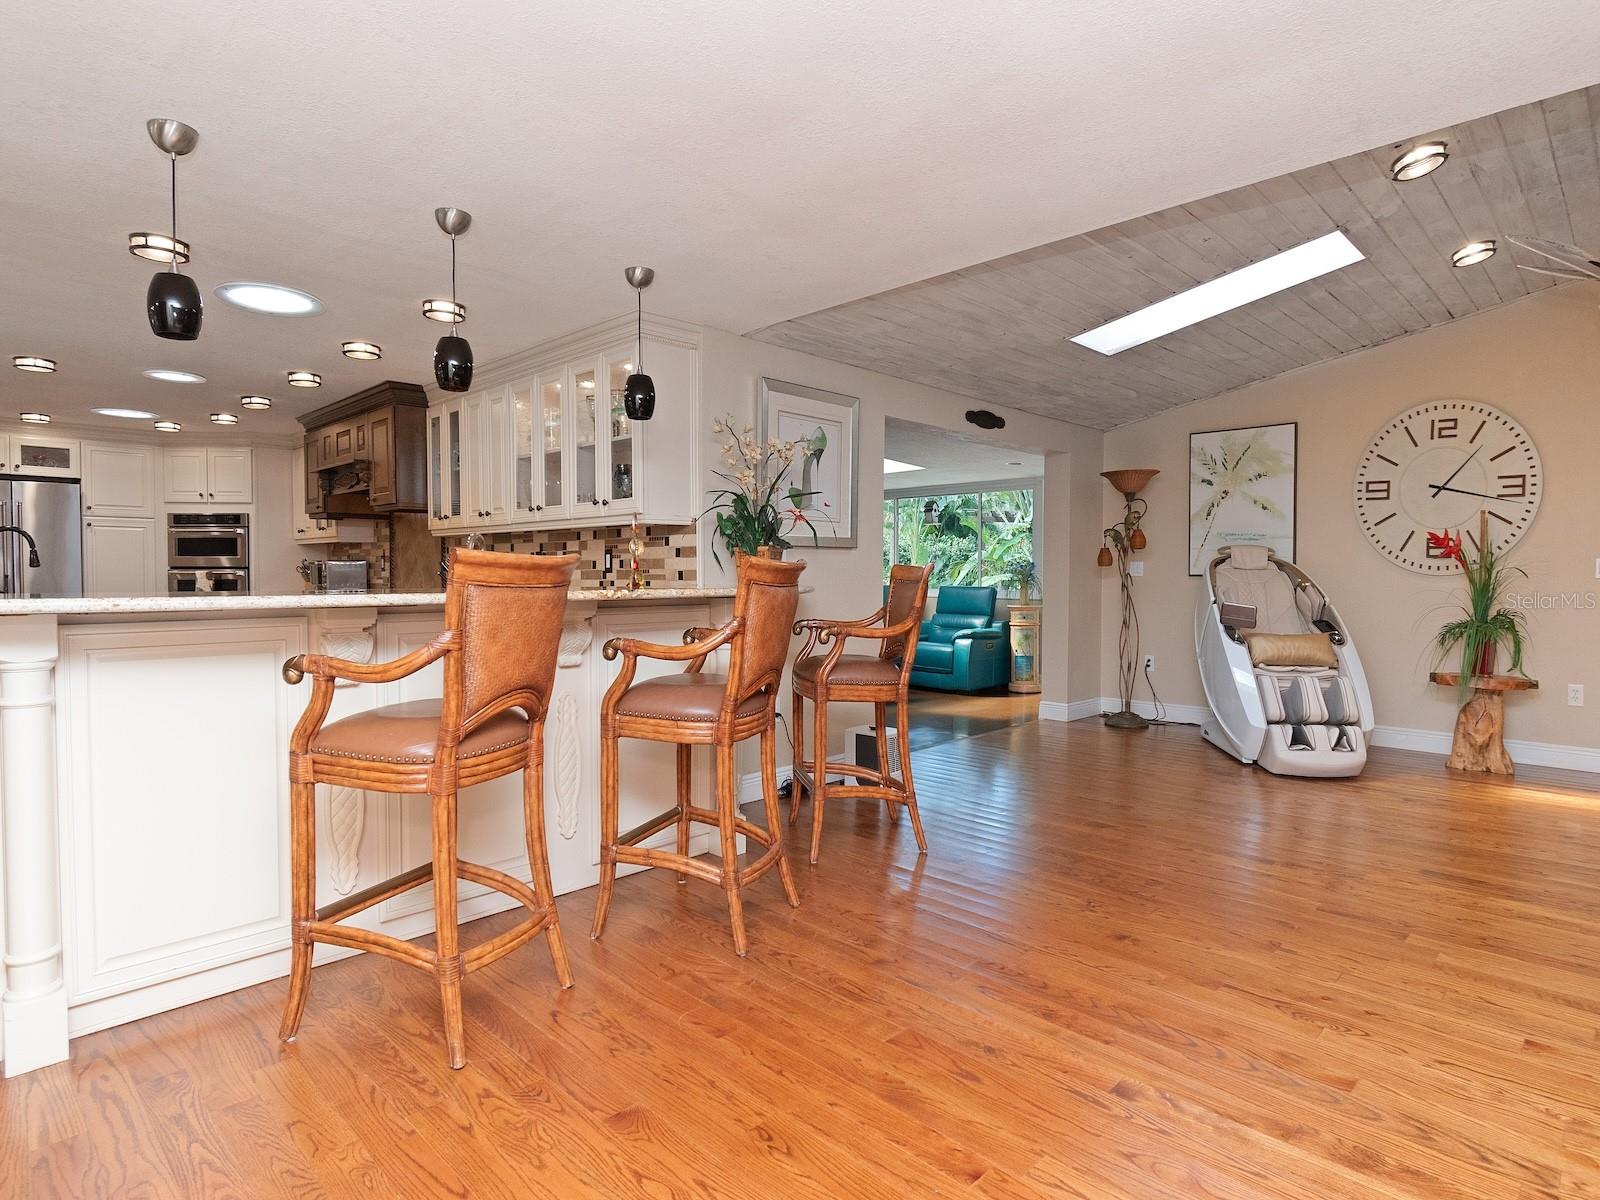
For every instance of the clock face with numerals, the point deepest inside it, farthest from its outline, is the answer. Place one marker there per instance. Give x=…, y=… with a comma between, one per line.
x=1434, y=468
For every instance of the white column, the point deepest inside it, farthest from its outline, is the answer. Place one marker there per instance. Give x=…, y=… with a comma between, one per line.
x=33, y=1009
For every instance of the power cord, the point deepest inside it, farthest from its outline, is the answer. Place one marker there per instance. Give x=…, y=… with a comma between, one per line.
x=1161, y=709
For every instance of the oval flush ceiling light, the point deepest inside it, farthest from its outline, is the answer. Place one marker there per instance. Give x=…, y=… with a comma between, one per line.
x=34, y=418
x=444, y=310
x=304, y=379
x=224, y=418
x=130, y=414
x=168, y=426
x=1473, y=252
x=366, y=351
x=158, y=247
x=269, y=298
x=1418, y=161
x=32, y=362
x=255, y=402
x=166, y=376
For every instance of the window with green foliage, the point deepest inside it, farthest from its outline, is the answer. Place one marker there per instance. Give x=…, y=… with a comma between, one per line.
x=971, y=538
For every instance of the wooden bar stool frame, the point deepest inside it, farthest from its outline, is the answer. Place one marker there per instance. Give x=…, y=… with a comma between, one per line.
x=470, y=571
x=745, y=679
x=901, y=617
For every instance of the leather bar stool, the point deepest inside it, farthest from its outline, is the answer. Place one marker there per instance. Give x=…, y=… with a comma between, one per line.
x=502, y=627
x=879, y=679
x=696, y=708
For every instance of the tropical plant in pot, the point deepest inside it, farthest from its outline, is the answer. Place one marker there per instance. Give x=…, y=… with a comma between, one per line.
x=1486, y=623
x=756, y=513
x=1024, y=577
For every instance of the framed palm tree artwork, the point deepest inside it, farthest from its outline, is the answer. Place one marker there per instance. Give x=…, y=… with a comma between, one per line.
x=1241, y=491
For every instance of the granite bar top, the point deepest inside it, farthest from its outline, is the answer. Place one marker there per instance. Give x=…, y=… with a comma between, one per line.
x=233, y=602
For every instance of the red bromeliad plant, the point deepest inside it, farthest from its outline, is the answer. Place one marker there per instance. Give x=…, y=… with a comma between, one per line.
x=1486, y=622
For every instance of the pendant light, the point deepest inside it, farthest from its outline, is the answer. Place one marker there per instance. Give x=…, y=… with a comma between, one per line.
x=639, y=393
x=173, y=301
x=452, y=357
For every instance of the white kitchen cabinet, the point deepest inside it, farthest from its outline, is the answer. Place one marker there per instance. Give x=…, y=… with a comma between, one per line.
x=547, y=444
x=119, y=480
x=231, y=471
x=33, y=454
x=120, y=556
x=203, y=473
x=310, y=530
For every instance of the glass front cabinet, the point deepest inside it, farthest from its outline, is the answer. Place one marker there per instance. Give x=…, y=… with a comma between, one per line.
x=551, y=447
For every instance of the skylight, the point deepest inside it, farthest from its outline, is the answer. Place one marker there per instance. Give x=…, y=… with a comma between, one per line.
x=1233, y=290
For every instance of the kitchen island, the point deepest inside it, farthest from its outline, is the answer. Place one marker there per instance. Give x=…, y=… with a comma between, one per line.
x=145, y=800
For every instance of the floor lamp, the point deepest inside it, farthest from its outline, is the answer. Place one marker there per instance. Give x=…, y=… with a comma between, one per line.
x=1124, y=539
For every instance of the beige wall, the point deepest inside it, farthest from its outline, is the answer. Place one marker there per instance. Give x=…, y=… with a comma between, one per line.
x=1537, y=359
x=848, y=582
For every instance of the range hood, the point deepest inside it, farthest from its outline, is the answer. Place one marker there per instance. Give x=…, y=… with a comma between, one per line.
x=365, y=454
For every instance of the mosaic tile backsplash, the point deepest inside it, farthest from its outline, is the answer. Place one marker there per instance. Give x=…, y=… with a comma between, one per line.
x=667, y=560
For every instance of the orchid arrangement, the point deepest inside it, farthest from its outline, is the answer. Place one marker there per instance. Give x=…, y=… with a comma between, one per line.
x=756, y=509
x=1486, y=622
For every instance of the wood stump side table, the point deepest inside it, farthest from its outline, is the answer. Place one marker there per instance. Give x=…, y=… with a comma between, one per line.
x=1479, y=741
x=1025, y=620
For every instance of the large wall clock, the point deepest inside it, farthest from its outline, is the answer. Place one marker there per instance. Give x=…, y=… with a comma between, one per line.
x=1434, y=468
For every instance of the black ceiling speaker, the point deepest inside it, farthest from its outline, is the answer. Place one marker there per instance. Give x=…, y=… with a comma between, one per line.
x=452, y=357
x=173, y=301
x=984, y=419
x=639, y=393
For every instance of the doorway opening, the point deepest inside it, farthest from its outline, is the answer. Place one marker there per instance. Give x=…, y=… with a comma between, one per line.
x=969, y=509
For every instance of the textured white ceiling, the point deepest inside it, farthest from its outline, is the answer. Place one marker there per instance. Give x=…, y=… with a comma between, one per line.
x=769, y=159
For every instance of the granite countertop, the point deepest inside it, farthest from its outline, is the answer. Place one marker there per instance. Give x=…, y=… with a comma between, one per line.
x=233, y=602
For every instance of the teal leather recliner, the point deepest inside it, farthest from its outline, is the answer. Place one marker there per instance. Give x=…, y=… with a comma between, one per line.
x=961, y=647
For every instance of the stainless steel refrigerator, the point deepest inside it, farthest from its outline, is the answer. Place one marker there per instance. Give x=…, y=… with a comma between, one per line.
x=47, y=511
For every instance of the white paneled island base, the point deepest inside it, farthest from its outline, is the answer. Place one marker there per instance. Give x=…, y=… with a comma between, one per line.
x=145, y=792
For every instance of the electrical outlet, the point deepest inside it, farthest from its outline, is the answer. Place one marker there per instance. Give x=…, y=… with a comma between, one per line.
x=1575, y=695
x=1149, y=662
x=1597, y=568
x=1136, y=567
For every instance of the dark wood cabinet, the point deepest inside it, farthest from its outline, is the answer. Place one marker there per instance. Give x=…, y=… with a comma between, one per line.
x=385, y=429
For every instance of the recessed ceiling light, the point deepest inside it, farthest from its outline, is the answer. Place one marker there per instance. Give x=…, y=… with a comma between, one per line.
x=168, y=426
x=32, y=362
x=158, y=247
x=444, y=310
x=270, y=298
x=1013, y=462
x=34, y=418
x=304, y=379
x=166, y=376
x=1230, y=291
x=1418, y=161
x=1473, y=252
x=255, y=402
x=366, y=351
x=224, y=418
x=131, y=414
x=894, y=467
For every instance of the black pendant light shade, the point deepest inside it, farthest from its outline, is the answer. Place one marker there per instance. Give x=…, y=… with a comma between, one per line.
x=639, y=397
x=172, y=302
x=452, y=364
x=639, y=393
x=174, y=306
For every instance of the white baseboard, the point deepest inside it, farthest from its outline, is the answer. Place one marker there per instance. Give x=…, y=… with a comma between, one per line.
x=1523, y=752
x=1425, y=741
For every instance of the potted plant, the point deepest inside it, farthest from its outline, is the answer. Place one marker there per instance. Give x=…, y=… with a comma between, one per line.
x=1023, y=576
x=756, y=513
x=1486, y=623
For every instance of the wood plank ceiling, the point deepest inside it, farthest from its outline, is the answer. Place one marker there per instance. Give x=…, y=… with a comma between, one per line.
x=996, y=331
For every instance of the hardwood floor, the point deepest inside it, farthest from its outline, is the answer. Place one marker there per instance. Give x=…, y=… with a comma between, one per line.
x=1128, y=967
